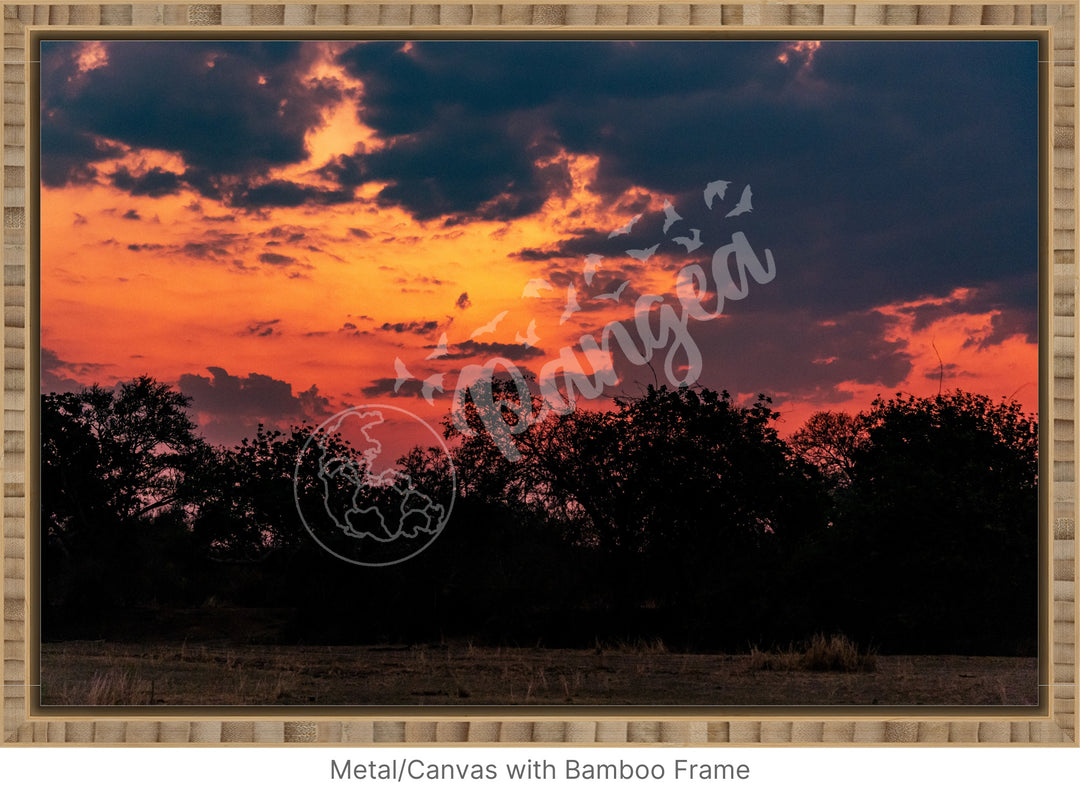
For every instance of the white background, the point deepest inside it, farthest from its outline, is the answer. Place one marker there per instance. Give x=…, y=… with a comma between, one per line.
x=800, y=774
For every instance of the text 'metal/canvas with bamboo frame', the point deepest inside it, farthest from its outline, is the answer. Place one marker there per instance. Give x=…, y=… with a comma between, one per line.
x=563, y=189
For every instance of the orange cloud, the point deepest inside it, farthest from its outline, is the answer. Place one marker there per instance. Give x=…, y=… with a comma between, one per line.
x=803, y=50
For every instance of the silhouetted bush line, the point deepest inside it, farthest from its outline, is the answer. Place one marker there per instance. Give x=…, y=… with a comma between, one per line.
x=678, y=516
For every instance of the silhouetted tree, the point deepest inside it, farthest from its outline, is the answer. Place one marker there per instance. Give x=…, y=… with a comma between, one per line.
x=685, y=498
x=939, y=530
x=678, y=513
x=829, y=440
x=115, y=467
x=248, y=509
x=713, y=500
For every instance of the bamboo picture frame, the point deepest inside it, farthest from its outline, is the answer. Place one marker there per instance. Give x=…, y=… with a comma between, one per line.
x=1052, y=722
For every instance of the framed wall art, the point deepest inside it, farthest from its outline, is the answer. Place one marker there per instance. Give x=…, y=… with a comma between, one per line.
x=528, y=374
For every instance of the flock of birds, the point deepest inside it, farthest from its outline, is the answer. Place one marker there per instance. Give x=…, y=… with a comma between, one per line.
x=534, y=288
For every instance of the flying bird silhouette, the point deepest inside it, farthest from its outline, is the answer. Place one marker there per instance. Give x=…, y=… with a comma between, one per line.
x=530, y=339
x=431, y=384
x=643, y=255
x=743, y=205
x=614, y=296
x=592, y=263
x=715, y=189
x=532, y=289
x=670, y=216
x=402, y=373
x=441, y=349
x=690, y=243
x=489, y=327
x=571, y=304
x=625, y=229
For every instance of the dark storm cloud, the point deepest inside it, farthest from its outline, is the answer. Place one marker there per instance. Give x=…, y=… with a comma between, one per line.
x=537, y=255
x=787, y=356
x=463, y=301
x=413, y=326
x=478, y=117
x=285, y=233
x=946, y=371
x=1006, y=323
x=262, y=328
x=69, y=154
x=224, y=106
x=470, y=349
x=928, y=185
x=475, y=121
x=609, y=272
x=750, y=353
x=468, y=169
x=881, y=171
x=223, y=393
x=408, y=387
x=211, y=250
x=611, y=285
x=282, y=193
x=57, y=373
x=348, y=170
x=231, y=110
x=352, y=330
x=154, y=183
x=229, y=407
x=994, y=298
x=404, y=91
x=587, y=242
x=276, y=259
x=196, y=207
x=216, y=246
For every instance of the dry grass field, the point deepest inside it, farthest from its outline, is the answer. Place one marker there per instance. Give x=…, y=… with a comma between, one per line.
x=459, y=673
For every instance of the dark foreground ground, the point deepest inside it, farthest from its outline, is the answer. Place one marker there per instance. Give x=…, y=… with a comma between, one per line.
x=459, y=673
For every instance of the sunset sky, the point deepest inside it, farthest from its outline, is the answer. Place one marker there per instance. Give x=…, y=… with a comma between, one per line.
x=284, y=230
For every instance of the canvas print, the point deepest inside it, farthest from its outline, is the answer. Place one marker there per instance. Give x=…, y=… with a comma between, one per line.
x=518, y=373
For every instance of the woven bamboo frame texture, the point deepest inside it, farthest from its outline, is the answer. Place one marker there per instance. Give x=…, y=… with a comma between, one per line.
x=1055, y=723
